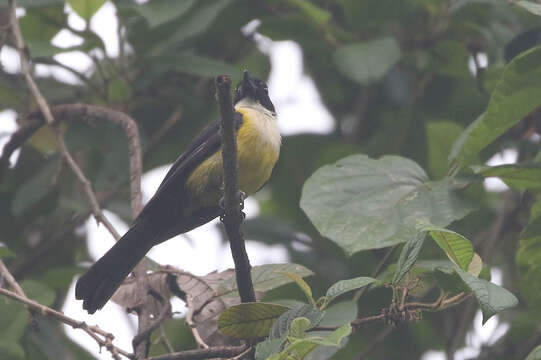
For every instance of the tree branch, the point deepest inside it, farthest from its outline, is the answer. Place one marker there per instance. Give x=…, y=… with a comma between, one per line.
x=25, y=66
x=103, y=338
x=141, y=343
x=233, y=216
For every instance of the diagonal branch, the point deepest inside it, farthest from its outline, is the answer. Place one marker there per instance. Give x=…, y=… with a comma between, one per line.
x=233, y=216
x=103, y=338
x=141, y=348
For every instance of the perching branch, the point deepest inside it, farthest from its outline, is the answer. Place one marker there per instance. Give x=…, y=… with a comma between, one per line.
x=233, y=216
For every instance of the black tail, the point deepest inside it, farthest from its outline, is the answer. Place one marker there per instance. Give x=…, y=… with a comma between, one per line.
x=101, y=281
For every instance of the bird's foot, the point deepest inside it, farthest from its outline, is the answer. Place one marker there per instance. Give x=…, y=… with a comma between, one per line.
x=241, y=195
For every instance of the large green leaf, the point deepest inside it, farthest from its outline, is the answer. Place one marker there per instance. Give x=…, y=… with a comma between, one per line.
x=302, y=284
x=362, y=203
x=344, y=286
x=520, y=176
x=282, y=325
x=86, y=8
x=300, y=348
x=440, y=136
x=408, y=256
x=491, y=298
x=515, y=96
x=267, y=348
x=250, y=320
x=158, y=12
x=457, y=247
x=367, y=62
x=265, y=278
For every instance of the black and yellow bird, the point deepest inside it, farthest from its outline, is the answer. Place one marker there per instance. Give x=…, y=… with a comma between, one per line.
x=190, y=193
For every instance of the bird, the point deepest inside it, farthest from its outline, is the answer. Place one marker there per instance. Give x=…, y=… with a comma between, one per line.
x=191, y=191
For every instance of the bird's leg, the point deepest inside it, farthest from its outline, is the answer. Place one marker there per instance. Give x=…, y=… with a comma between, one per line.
x=241, y=195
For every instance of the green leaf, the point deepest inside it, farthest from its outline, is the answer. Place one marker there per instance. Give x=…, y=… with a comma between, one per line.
x=515, y=96
x=280, y=329
x=535, y=354
x=250, y=320
x=457, y=247
x=361, y=203
x=339, y=313
x=408, y=256
x=302, y=284
x=267, y=348
x=476, y=265
x=522, y=176
x=158, y=12
x=440, y=137
x=265, y=278
x=344, y=286
x=86, y=8
x=529, y=6
x=491, y=298
x=298, y=327
x=299, y=348
x=367, y=62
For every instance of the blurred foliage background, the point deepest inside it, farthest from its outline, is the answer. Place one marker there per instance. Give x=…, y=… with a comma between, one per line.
x=428, y=69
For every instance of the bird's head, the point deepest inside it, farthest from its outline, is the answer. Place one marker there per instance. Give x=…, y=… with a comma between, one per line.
x=253, y=89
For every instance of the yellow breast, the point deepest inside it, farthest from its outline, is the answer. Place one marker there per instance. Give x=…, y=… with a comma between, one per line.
x=258, y=144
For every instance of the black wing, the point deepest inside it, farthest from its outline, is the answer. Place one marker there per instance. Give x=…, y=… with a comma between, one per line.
x=206, y=139
x=170, y=199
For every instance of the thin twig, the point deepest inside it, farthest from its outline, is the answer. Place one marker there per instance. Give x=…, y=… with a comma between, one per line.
x=25, y=66
x=193, y=327
x=10, y=280
x=391, y=313
x=210, y=353
x=233, y=216
x=87, y=187
x=94, y=331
